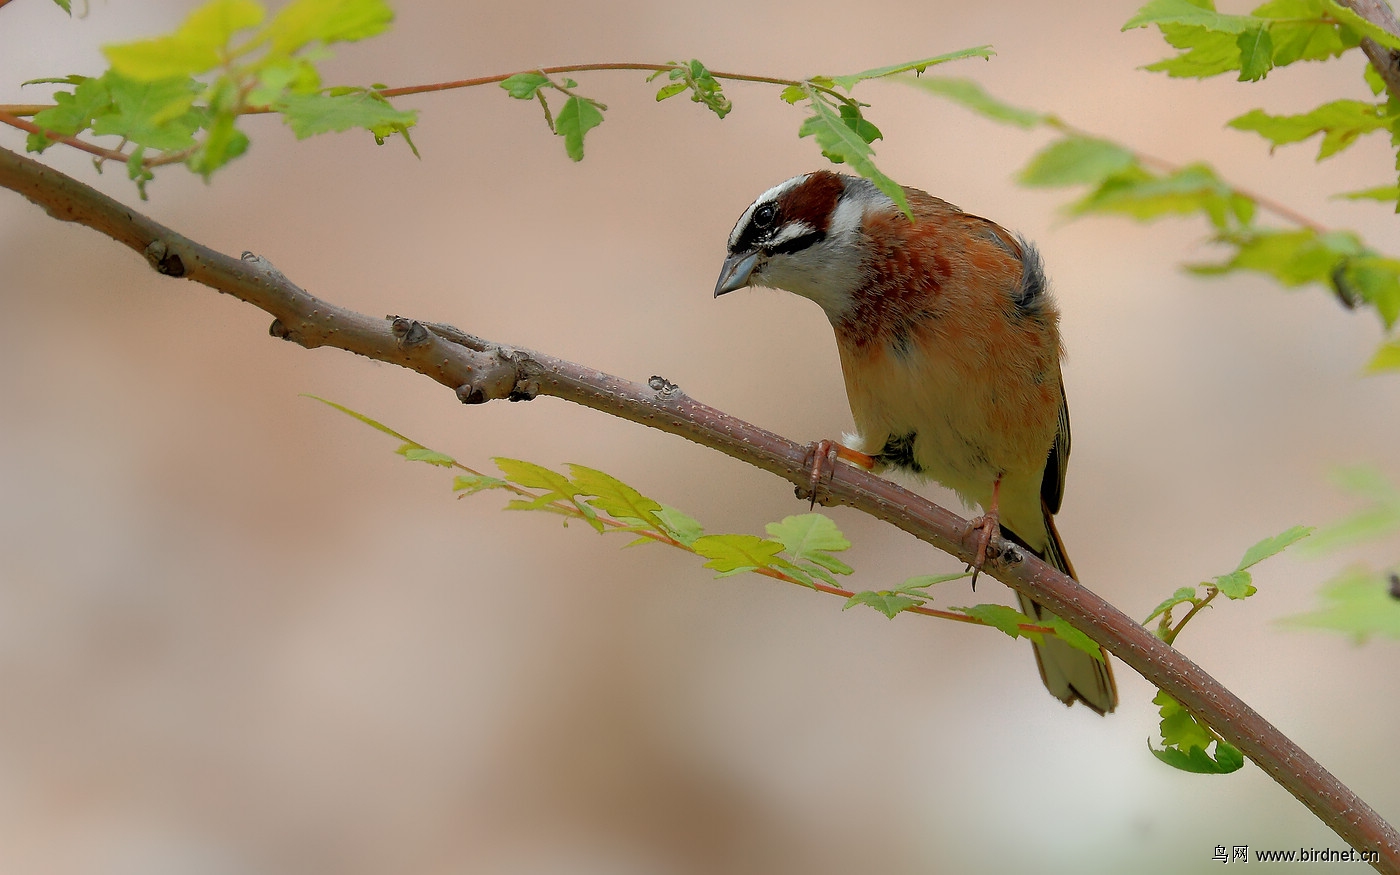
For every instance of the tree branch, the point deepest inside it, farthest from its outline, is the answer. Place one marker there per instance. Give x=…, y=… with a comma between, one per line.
x=479, y=371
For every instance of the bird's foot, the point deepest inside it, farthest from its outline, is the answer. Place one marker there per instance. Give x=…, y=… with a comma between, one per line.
x=821, y=464
x=982, y=530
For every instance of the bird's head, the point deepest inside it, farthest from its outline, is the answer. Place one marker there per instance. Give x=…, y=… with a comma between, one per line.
x=804, y=236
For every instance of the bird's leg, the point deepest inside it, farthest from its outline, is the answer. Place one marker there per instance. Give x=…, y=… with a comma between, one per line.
x=983, y=529
x=821, y=463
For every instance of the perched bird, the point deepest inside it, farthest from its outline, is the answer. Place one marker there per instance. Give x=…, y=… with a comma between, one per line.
x=950, y=348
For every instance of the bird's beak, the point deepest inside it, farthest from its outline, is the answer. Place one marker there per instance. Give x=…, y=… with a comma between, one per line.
x=736, y=272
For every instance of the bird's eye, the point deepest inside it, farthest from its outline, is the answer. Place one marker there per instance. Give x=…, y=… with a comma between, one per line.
x=764, y=215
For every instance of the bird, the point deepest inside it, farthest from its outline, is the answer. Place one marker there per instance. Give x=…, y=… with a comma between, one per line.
x=950, y=351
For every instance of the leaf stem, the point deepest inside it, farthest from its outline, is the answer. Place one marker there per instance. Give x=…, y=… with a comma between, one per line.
x=1211, y=593
x=82, y=145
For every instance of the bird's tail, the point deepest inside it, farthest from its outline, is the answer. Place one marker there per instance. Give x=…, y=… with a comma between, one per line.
x=1069, y=674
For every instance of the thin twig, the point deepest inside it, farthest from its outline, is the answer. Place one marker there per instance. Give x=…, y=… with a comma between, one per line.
x=81, y=145
x=1170, y=636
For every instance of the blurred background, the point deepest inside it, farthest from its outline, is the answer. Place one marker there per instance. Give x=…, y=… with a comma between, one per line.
x=238, y=634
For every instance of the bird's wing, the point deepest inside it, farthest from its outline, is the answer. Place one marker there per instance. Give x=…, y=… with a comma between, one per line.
x=1052, y=484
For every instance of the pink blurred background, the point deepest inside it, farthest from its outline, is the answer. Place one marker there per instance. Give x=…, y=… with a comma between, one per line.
x=238, y=634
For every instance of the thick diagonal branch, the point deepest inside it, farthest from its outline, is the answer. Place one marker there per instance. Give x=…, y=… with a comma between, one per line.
x=479, y=371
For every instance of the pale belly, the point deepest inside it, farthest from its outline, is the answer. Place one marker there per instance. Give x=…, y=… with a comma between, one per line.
x=936, y=417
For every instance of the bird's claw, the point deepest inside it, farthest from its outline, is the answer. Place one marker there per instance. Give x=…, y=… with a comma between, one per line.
x=982, y=530
x=821, y=465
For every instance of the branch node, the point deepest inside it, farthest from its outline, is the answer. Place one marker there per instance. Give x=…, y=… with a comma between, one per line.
x=410, y=332
x=265, y=266
x=502, y=377
x=525, y=390
x=164, y=261
x=664, y=388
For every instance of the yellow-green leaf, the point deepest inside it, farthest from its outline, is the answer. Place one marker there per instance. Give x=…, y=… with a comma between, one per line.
x=197, y=46
x=731, y=554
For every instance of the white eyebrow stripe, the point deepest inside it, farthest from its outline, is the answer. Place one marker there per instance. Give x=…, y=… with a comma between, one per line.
x=771, y=194
x=792, y=231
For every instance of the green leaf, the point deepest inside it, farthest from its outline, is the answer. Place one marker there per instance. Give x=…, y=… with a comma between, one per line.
x=311, y=114
x=1387, y=358
x=1008, y=620
x=1272, y=547
x=1137, y=193
x=1185, y=12
x=917, y=585
x=801, y=575
x=533, y=476
x=842, y=145
x=577, y=118
x=1186, y=740
x=1075, y=160
x=1303, y=31
x=221, y=144
x=469, y=484
x=1075, y=638
x=1227, y=759
x=137, y=171
x=1179, y=727
x=680, y=525
x=155, y=114
x=1366, y=482
x=810, y=570
x=1183, y=595
x=1256, y=54
x=418, y=453
x=72, y=112
x=1359, y=602
x=65, y=5
x=974, y=97
x=888, y=603
x=703, y=86
x=199, y=45
x=1373, y=79
x=731, y=554
x=302, y=22
x=523, y=86
x=793, y=93
x=616, y=498
x=1377, y=193
x=670, y=90
x=1291, y=257
x=1340, y=122
x=809, y=536
x=70, y=79
x=372, y=423
x=857, y=122
x=1236, y=584
x=916, y=67
x=1362, y=26
x=1214, y=43
x=1379, y=520
x=1209, y=52
x=1374, y=279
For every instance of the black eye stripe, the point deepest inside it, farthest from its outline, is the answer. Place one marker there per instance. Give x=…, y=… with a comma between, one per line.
x=759, y=227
